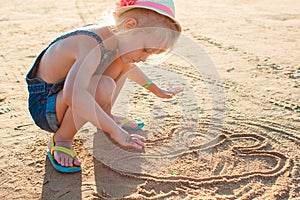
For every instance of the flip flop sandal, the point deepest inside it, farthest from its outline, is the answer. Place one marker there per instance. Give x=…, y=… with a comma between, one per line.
x=140, y=125
x=56, y=165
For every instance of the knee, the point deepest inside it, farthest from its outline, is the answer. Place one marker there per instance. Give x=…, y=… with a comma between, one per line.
x=108, y=85
x=105, y=90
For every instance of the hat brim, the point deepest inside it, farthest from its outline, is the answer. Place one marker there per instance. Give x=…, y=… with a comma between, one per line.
x=121, y=10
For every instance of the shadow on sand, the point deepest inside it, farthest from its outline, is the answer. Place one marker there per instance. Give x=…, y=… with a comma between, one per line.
x=60, y=186
x=111, y=183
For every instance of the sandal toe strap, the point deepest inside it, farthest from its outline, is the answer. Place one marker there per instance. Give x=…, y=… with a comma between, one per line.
x=125, y=121
x=70, y=152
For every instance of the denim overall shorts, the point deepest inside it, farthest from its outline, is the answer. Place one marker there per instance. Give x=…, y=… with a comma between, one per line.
x=42, y=95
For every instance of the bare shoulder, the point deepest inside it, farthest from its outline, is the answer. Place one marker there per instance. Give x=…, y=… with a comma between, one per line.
x=61, y=56
x=78, y=45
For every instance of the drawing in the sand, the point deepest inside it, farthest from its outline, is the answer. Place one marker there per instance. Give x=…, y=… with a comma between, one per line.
x=232, y=133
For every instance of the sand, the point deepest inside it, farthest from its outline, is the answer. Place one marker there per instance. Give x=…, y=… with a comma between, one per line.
x=234, y=133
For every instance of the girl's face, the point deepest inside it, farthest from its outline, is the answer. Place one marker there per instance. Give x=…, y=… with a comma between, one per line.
x=138, y=46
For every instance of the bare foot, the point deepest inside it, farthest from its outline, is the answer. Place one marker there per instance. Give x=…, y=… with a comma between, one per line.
x=63, y=159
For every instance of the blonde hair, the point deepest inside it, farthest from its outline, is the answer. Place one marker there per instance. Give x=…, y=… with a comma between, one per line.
x=151, y=21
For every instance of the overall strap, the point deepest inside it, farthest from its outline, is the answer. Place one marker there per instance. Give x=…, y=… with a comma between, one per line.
x=82, y=32
x=107, y=56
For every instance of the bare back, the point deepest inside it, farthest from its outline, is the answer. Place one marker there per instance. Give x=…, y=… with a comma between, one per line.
x=61, y=55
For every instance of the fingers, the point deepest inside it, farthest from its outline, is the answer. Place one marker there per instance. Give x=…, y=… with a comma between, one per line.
x=129, y=140
x=171, y=95
x=136, y=136
x=142, y=138
x=171, y=92
x=175, y=90
x=137, y=141
x=166, y=94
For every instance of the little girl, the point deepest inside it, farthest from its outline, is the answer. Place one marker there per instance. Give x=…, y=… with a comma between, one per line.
x=78, y=77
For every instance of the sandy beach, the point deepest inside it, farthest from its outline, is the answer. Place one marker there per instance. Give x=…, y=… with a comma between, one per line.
x=233, y=133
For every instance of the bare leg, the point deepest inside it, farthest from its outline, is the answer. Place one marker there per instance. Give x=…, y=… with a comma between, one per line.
x=118, y=119
x=70, y=122
x=108, y=107
x=119, y=85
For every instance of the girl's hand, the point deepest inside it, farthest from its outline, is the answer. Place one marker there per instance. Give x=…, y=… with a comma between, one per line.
x=133, y=140
x=170, y=92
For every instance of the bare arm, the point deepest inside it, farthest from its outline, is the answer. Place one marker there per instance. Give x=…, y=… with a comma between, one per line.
x=138, y=76
x=83, y=103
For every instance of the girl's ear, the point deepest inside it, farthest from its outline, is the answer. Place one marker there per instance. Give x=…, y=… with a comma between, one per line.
x=130, y=23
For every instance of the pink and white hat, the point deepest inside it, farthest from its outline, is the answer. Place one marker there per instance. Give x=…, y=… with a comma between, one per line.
x=163, y=7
